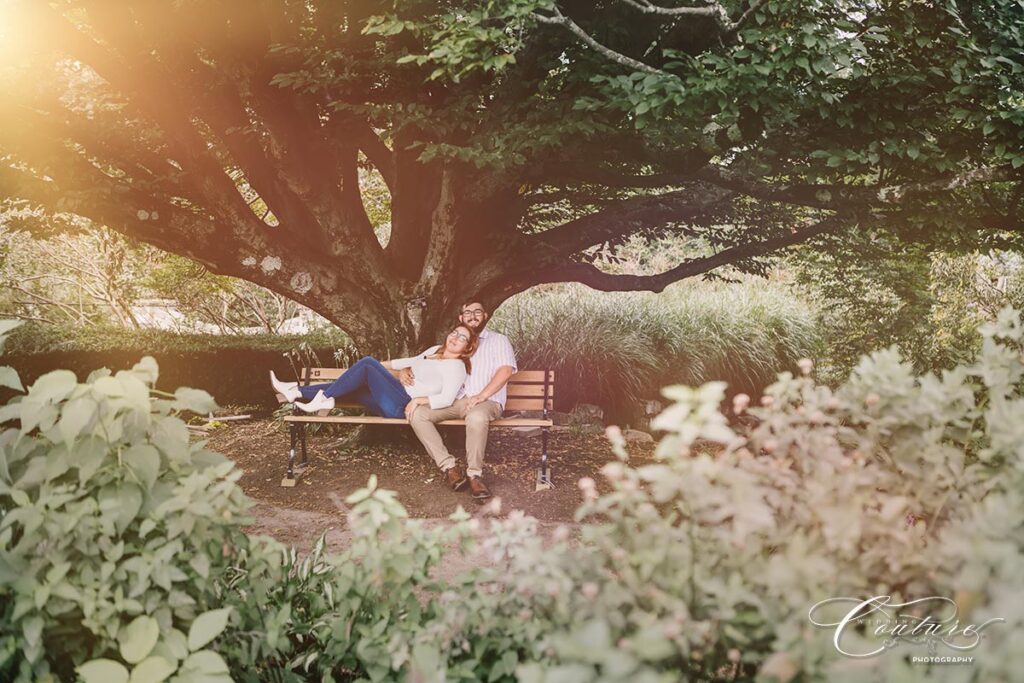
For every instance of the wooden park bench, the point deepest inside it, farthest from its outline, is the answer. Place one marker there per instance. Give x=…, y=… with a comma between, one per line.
x=528, y=390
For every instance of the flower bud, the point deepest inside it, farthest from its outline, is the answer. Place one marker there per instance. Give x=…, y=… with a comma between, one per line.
x=872, y=399
x=494, y=507
x=612, y=471
x=740, y=403
x=806, y=365
x=590, y=590
x=767, y=401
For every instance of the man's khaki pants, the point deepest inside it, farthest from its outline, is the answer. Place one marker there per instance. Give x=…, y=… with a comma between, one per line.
x=478, y=420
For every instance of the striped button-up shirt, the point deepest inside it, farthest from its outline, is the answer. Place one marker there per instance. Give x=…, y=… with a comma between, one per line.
x=494, y=351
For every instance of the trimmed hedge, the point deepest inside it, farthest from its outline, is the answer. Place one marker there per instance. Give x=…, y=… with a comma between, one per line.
x=233, y=369
x=35, y=338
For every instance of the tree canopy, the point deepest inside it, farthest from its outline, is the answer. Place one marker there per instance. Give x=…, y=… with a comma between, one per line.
x=515, y=138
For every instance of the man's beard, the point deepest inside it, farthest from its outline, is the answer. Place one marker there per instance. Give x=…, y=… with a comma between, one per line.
x=479, y=329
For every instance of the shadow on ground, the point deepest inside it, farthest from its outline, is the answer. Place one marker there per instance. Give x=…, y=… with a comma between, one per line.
x=298, y=515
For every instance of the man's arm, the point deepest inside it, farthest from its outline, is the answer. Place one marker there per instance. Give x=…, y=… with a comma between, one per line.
x=501, y=377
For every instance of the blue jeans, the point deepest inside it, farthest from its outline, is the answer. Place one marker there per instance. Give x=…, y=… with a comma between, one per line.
x=368, y=383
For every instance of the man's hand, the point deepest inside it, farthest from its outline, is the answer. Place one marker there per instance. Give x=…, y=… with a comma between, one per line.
x=412, y=405
x=473, y=401
x=406, y=377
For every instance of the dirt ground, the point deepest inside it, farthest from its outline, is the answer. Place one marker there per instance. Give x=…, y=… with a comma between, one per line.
x=337, y=467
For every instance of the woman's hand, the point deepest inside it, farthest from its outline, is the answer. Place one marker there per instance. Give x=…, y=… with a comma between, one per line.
x=412, y=405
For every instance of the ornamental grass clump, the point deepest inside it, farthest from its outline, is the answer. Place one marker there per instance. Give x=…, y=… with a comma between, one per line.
x=617, y=348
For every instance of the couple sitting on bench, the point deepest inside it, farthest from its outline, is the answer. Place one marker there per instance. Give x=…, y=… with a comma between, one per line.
x=464, y=378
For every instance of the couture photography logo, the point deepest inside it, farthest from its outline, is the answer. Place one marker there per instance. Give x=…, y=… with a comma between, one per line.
x=869, y=627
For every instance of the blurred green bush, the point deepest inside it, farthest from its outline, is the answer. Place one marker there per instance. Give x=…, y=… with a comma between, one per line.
x=121, y=551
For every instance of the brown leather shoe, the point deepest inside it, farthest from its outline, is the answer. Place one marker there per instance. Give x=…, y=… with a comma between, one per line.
x=456, y=478
x=479, y=489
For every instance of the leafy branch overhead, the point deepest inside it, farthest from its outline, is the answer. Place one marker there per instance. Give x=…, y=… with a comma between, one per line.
x=514, y=138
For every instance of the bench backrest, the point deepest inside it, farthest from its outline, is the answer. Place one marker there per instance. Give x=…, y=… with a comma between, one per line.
x=527, y=389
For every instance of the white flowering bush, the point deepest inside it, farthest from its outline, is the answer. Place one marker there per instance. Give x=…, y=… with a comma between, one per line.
x=122, y=558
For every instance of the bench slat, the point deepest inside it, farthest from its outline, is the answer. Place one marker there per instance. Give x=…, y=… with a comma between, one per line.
x=532, y=376
x=331, y=374
x=528, y=404
x=364, y=419
x=527, y=390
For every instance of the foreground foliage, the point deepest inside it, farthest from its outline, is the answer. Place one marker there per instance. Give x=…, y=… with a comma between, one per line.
x=122, y=552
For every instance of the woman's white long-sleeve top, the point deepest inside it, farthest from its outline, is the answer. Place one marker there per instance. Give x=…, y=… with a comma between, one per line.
x=438, y=381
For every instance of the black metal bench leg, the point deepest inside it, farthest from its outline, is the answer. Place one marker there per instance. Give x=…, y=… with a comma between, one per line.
x=293, y=434
x=302, y=437
x=544, y=473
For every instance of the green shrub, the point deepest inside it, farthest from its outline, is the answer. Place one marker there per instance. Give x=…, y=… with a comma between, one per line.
x=115, y=529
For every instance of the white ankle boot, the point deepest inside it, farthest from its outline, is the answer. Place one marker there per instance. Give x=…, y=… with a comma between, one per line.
x=290, y=390
x=319, y=402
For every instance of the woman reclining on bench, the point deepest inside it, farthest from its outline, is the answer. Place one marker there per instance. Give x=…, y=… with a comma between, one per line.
x=439, y=372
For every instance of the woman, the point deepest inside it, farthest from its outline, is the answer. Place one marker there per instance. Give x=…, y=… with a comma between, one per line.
x=439, y=374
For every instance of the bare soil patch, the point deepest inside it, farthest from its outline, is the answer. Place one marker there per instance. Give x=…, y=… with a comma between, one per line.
x=336, y=468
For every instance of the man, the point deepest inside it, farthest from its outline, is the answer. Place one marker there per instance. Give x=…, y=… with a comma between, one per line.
x=481, y=400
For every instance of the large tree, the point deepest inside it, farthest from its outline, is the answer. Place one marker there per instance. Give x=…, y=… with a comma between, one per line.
x=516, y=138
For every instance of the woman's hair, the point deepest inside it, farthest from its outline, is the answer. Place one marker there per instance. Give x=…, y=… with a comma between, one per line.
x=474, y=341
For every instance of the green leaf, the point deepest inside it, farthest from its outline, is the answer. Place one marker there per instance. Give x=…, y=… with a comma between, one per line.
x=426, y=663
x=75, y=416
x=205, y=662
x=103, y=671
x=147, y=370
x=170, y=435
x=196, y=400
x=33, y=626
x=108, y=386
x=9, y=378
x=206, y=627
x=138, y=638
x=121, y=502
x=152, y=670
x=88, y=456
x=53, y=386
x=144, y=461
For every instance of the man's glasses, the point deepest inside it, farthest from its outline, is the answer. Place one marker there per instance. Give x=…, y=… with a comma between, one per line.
x=473, y=313
x=459, y=335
